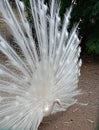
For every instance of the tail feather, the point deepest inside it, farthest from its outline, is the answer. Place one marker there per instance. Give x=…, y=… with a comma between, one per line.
x=44, y=78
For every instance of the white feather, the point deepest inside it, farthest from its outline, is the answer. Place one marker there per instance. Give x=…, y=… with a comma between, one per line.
x=43, y=80
x=21, y=4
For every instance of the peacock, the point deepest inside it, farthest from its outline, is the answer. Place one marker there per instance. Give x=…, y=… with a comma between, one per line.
x=42, y=78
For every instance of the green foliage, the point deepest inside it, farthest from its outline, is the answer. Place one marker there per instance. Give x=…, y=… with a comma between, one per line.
x=95, y=11
x=93, y=44
x=26, y=3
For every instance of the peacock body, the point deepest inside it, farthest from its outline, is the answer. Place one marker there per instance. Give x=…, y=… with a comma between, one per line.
x=43, y=79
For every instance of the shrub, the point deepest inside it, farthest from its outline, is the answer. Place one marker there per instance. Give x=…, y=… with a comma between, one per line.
x=93, y=45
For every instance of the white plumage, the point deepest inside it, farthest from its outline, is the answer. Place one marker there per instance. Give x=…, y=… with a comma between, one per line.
x=44, y=79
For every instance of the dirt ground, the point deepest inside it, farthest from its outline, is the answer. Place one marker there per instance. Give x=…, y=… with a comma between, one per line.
x=85, y=115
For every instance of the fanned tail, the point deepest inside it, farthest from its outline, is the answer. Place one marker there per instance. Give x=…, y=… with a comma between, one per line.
x=44, y=79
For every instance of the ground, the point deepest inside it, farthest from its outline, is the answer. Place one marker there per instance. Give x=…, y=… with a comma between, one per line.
x=85, y=115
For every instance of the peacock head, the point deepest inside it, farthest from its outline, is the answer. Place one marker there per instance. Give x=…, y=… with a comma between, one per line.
x=48, y=107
